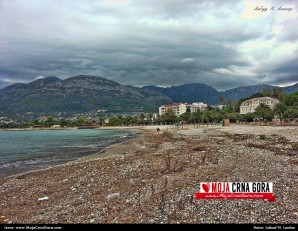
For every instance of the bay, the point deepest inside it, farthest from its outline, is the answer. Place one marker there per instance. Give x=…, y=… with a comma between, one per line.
x=21, y=151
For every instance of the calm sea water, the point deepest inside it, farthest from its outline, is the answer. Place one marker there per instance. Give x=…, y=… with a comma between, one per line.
x=21, y=151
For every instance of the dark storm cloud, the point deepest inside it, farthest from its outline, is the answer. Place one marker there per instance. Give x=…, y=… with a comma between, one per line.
x=220, y=43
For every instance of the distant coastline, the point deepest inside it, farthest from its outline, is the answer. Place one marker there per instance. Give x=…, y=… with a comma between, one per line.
x=36, y=129
x=146, y=127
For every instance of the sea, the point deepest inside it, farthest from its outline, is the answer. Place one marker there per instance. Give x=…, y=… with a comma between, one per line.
x=23, y=151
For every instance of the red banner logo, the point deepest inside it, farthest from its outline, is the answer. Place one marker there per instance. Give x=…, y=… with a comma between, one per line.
x=236, y=190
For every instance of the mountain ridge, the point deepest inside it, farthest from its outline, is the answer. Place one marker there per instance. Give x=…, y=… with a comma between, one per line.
x=77, y=94
x=84, y=93
x=190, y=93
x=178, y=93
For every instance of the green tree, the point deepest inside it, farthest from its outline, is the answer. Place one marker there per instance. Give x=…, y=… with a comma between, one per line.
x=64, y=123
x=185, y=116
x=265, y=112
x=291, y=112
x=150, y=117
x=292, y=99
x=169, y=117
x=114, y=121
x=142, y=116
x=279, y=94
x=234, y=117
x=50, y=121
x=211, y=116
x=214, y=115
x=101, y=120
x=81, y=121
x=36, y=122
x=279, y=108
x=249, y=117
x=276, y=93
x=196, y=116
x=24, y=125
x=227, y=110
x=266, y=92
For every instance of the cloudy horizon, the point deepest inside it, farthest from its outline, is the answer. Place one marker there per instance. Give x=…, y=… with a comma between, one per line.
x=224, y=44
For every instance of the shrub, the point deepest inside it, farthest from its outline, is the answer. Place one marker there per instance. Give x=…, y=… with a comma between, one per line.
x=263, y=137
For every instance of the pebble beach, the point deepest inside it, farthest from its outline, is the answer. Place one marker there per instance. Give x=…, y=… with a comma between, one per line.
x=153, y=178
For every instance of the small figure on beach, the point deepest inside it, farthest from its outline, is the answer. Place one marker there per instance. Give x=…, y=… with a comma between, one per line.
x=157, y=129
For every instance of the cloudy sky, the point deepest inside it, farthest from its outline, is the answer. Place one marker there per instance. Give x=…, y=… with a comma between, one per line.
x=224, y=44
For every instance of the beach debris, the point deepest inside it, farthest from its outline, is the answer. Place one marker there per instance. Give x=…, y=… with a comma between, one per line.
x=113, y=195
x=43, y=198
x=199, y=148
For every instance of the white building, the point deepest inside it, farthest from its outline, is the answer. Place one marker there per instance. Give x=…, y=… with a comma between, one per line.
x=56, y=126
x=249, y=106
x=198, y=106
x=219, y=106
x=180, y=108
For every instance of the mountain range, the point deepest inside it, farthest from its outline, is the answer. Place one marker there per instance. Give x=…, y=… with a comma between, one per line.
x=84, y=93
x=203, y=93
x=77, y=94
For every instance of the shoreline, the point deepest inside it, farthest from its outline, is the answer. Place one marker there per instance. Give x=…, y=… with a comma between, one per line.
x=76, y=128
x=97, y=154
x=107, y=151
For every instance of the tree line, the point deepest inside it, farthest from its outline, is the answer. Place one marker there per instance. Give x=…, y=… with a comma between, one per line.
x=287, y=108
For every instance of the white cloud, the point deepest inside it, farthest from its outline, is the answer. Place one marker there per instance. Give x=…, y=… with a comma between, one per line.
x=40, y=77
x=235, y=71
x=187, y=60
